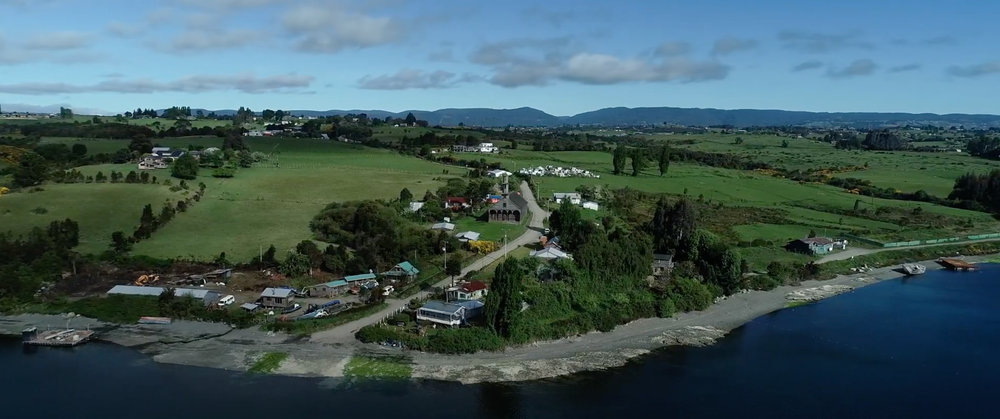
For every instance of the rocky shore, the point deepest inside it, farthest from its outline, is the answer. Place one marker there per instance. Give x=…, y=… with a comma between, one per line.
x=219, y=346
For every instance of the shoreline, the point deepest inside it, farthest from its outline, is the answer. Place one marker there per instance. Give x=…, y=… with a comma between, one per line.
x=214, y=345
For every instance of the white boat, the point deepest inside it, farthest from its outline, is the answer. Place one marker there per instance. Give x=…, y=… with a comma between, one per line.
x=914, y=268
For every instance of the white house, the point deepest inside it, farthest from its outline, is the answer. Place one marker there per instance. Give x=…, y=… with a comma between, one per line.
x=474, y=290
x=488, y=148
x=498, y=173
x=591, y=205
x=450, y=315
x=550, y=253
x=573, y=197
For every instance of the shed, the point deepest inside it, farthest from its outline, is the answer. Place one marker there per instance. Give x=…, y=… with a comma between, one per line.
x=277, y=297
x=467, y=236
x=250, y=307
x=218, y=274
x=573, y=197
x=811, y=246
x=662, y=264
x=591, y=205
x=328, y=289
x=207, y=296
x=359, y=277
x=443, y=226
x=403, y=271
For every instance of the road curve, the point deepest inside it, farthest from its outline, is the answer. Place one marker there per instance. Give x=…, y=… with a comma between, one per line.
x=345, y=333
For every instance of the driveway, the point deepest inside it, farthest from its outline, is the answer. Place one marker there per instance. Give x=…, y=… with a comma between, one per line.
x=345, y=333
x=857, y=251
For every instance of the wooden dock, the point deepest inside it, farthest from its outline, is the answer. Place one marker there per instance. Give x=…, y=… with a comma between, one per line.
x=957, y=265
x=67, y=337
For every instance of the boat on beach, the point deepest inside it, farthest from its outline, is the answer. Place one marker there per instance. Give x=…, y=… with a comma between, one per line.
x=914, y=268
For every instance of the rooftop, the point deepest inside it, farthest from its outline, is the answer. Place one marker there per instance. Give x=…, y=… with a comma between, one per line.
x=441, y=307
x=474, y=286
x=358, y=277
x=818, y=241
x=407, y=267
x=156, y=291
x=278, y=292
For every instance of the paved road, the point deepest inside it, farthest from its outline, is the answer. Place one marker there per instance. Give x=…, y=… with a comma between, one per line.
x=857, y=251
x=345, y=333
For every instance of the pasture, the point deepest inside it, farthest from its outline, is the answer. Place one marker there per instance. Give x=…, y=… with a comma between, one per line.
x=394, y=134
x=903, y=170
x=807, y=206
x=274, y=202
x=99, y=208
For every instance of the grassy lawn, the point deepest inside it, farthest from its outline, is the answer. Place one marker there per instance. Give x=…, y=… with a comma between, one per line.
x=268, y=362
x=492, y=231
x=486, y=274
x=99, y=208
x=381, y=367
x=268, y=205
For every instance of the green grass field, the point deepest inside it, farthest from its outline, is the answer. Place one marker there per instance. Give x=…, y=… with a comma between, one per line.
x=906, y=171
x=380, y=367
x=100, y=209
x=492, y=231
x=268, y=205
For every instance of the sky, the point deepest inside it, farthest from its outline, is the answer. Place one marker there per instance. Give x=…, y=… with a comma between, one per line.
x=561, y=56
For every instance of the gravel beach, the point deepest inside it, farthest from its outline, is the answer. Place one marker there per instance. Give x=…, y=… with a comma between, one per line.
x=218, y=346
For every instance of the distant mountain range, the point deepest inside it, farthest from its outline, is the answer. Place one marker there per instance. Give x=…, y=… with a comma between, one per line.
x=530, y=117
x=610, y=117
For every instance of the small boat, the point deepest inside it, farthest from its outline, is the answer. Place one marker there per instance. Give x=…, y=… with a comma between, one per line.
x=914, y=268
x=291, y=309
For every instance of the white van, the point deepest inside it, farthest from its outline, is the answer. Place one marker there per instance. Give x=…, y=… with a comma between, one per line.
x=227, y=300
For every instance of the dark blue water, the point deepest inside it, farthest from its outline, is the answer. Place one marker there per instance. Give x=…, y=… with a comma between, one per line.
x=927, y=347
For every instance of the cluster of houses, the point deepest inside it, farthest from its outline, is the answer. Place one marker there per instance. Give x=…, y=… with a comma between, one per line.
x=481, y=148
x=402, y=272
x=161, y=157
x=575, y=199
x=554, y=171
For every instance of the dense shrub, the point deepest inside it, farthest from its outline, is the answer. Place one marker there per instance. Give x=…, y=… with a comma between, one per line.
x=689, y=294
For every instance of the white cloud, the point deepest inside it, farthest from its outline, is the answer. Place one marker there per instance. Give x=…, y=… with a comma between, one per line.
x=328, y=29
x=197, y=40
x=819, y=43
x=416, y=79
x=726, y=46
x=672, y=49
x=538, y=62
x=59, y=41
x=857, y=68
x=975, y=70
x=245, y=83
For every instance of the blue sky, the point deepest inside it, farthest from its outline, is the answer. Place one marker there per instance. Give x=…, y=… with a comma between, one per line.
x=563, y=57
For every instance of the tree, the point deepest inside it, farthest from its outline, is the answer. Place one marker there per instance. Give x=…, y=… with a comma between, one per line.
x=513, y=144
x=65, y=113
x=503, y=303
x=100, y=178
x=268, y=258
x=147, y=217
x=79, y=150
x=31, y=170
x=141, y=145
x=296, y=264
x=410, y=119
x=618, y=160
x=784, y=143
x=246, y=159
x=664, y=161
x=405, y=196
x=453, y=268
x=132, y=177
x=119, y=243
x=812, y=233
x=185, y=167
x=638, y=162
x=738, y=140
x=234, y=141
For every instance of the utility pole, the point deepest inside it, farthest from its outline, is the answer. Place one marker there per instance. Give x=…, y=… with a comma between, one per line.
x=445, y=249
x=505, y=244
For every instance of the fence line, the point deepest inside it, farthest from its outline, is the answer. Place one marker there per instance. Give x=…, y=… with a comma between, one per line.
x=924, y=242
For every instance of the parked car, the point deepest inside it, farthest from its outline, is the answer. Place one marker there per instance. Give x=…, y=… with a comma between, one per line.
x=227, y=300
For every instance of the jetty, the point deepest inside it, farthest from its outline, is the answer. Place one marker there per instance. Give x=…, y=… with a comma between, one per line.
x=67, y=337
x=957, y=265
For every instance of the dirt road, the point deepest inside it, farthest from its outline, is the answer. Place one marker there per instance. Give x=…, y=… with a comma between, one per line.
x=857, y=251
x=345, y=333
